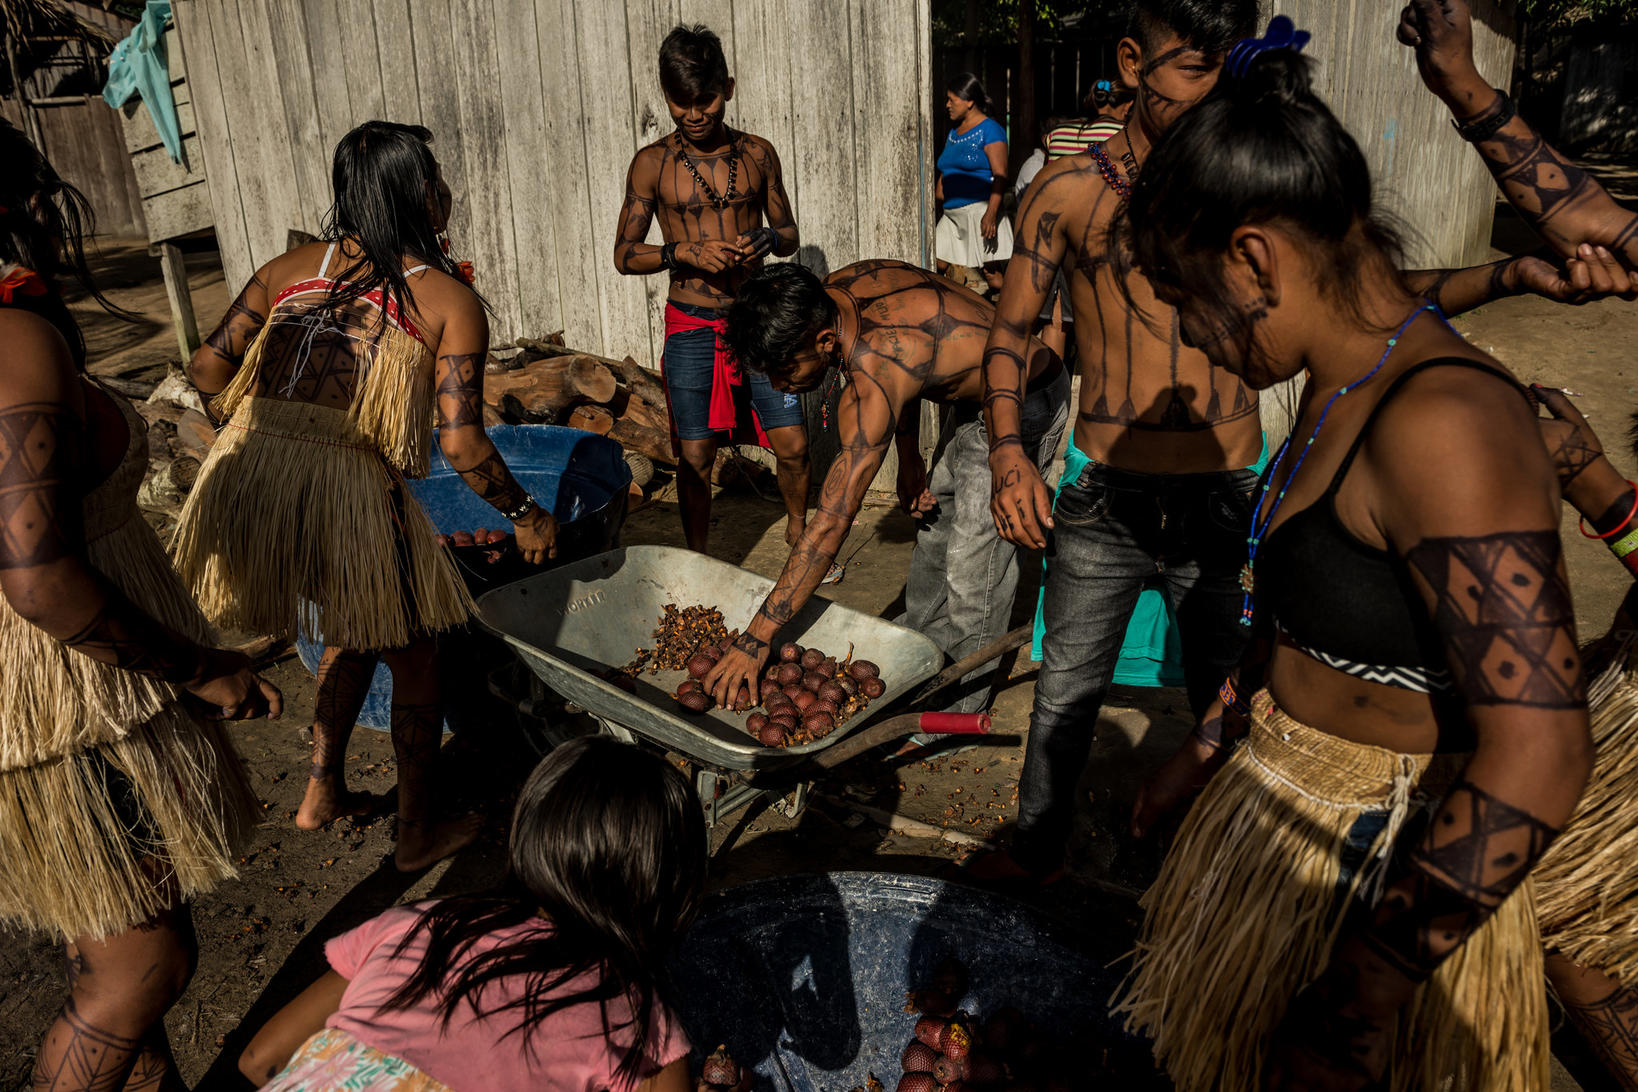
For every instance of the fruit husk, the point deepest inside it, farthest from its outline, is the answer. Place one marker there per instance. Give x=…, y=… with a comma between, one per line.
x=930, y=1030
x=720, y=1068
x=918, y=1057
x=957, y=1040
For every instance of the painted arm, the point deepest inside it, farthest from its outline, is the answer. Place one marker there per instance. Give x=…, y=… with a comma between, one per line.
x=1556, y=197
x=1019, y=499
x=996, y=153
x=633, y=256
x=1589, y=482
x=1481, y=540
x=279, y=1039
x=215, y=363
x=866, y=420
x=914, y=496
x=44, y=573
x=779, y=235
x=462, y=353
x=1592, y=274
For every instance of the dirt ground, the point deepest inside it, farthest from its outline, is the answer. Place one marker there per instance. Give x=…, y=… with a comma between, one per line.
x=261, y=935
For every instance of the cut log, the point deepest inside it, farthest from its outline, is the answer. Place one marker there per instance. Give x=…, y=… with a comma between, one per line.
x=194, y=436
x=543, y=391
x=135, y=389
x=655, y=443
x=176, y=390
x=591, y=419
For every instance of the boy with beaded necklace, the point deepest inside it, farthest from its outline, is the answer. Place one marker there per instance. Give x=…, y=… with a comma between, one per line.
x=711, y=187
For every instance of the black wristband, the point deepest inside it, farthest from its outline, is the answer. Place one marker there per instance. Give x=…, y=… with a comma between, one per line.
x=1619, y=511
x=668, y=256
x=521, y=510
x=1486, y=127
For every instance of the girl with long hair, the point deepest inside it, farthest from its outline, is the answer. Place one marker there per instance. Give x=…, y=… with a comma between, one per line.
x=972, y=177
x=329, y=369
x=554, y=982
x=1347, y=904
x=120, y=796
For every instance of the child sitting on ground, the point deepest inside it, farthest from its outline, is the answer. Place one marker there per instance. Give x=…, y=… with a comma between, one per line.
x=553, y=982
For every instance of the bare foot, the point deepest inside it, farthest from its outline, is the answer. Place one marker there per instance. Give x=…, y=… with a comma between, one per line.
x=325, y=802
x=421, y=845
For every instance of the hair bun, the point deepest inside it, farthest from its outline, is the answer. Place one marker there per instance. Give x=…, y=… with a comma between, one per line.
x=1270, y=67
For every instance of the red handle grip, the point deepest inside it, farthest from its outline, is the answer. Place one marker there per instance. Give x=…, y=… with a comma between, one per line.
x=956, y=724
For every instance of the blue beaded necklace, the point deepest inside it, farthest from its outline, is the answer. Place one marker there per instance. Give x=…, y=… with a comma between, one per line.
x=1247, y=581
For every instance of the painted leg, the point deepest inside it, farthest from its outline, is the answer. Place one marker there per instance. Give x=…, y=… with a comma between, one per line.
x=694, y=490
x=1604, y=1012
x=417, y=733
x=108, y=1034
x=343, y=683
x=790, y=448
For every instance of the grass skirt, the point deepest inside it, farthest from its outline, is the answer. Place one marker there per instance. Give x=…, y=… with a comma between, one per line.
x=292, y=507
x=1252, y=897
x=1587, y=883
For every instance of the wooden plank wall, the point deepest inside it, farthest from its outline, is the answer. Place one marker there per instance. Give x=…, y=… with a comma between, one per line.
x=537, y=107
x=1423, y=171
x=175, y=196
x=86, y=145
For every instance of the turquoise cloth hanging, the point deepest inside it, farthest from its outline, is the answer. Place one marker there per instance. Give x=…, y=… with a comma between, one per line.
x=138, y=67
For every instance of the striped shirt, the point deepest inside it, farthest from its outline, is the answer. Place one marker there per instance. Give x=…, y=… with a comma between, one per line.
x=1077, y=138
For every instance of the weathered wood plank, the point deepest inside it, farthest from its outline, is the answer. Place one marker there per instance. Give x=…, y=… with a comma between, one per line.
x=488, y=194
x=363, y=60
x=179, y=212
x=647, y=24
x=274, y=153
x=287, y=24
x=526, y=150
x=194, y=23
x=762, y=91
x=440, y=110
x=827, y=210
x=329, y=64
x=395, y=45
x=141, y=136
x=584, y=248
x=156, y=173
x=884, y=44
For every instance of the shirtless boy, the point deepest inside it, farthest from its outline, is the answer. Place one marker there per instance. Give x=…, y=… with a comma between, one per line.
x=898, y=334
x=711, y=187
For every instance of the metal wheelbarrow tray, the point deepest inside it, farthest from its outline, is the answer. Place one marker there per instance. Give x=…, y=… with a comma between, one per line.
x=577, y=623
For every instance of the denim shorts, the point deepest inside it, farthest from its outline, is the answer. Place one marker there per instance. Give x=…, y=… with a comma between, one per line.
x=690, y=367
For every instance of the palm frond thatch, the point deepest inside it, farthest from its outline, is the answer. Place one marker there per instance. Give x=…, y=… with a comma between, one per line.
x=25, y=19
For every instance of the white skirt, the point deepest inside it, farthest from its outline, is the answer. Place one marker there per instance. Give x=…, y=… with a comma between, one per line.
x=959, y=241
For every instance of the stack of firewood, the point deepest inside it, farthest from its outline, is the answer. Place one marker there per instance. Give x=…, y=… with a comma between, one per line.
x=545, y=382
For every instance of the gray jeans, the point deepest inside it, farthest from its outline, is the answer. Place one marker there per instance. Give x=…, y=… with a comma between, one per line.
x=963, y=574
x=1114, y=531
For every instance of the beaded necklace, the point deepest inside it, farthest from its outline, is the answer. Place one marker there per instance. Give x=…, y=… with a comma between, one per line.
x=1247, y=572
x=722, y=200
x=1122, y=188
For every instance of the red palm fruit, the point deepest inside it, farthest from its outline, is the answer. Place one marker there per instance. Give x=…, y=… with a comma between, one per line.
x=947, y=1069
x=848, y=683
x=771, y=734
x=950, y=976
x=790, y=675
x=812, y=658
x=791, y=692
x=742, y=700
x=933, y=1002
x=804, y=699
x=827, y=667
x=720, y=1068
x=957, y=1040
x=834, y=694
x=695, y=702
x=790, y=652
x=822, y=706
x=462, y=538
x=687, y=686
x=918, y=1057
x=862, y=670
x=918, y=1082
x=1004, y=1028
x=873, y=687
x=930, y=1030
x=443, y=540
x=785, y=724
x=772, y=674
x=818, y=722
x=756, y=722
x=700, y=665
x=812, y=681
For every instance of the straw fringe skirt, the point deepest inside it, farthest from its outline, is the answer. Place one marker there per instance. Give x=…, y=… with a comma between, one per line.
x=114, y=801
x=292, y=507
x=1251, y=900
x=1587, y=883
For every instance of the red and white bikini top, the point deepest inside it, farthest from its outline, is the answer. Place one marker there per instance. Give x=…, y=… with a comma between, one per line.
x=323, y=283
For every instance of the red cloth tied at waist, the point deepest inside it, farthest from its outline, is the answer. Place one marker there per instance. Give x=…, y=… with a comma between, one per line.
x=725, y=377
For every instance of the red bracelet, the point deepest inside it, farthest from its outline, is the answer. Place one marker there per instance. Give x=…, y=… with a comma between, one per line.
x=1582, y=522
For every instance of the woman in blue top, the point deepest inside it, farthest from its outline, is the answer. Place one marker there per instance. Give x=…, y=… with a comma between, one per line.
x=972, y=173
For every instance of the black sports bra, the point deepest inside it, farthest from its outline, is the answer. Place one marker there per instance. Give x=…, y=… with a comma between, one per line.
x=1349, y=605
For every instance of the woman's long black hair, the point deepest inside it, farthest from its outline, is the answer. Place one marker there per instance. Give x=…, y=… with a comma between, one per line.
x=385, y=178
x=608, y=842
x=44, y=223
x=965, y=85
x=1260, y=148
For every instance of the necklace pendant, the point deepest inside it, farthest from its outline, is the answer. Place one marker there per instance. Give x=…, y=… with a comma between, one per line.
x=1247, y=581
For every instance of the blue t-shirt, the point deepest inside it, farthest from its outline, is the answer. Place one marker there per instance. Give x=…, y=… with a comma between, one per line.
x=965, y=167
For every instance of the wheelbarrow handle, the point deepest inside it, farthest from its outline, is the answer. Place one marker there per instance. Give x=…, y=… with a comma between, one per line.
x=963, y=667
x=955, y=724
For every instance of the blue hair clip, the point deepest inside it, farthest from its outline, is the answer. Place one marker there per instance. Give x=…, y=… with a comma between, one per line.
x=1103, y=85
x=1282, y=33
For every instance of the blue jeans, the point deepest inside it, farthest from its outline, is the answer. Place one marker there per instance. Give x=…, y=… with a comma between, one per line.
x=1115, y=530
x=963, y=574
x=690, y=370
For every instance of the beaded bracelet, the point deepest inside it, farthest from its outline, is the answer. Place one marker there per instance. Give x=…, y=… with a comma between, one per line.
x=1230, y=697
x=528, y=505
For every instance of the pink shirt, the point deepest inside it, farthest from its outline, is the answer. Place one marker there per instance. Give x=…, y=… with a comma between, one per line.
x=569, y=1052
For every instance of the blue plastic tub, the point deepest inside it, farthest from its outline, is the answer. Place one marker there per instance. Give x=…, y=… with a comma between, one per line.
x=803, y=978
x=582, y=477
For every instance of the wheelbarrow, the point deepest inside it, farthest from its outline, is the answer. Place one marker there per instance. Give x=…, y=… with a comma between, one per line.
x=575, y=626
x=580, y=477
x=803, y=978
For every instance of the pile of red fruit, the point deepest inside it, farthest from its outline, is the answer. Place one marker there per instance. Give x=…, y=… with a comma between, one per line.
x=483, y=536
x=722, y=1074
x=805, y=695
x=954, y=1051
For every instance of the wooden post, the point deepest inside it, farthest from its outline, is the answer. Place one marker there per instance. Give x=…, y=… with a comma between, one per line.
x=181, y=299
x=1023, y=136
